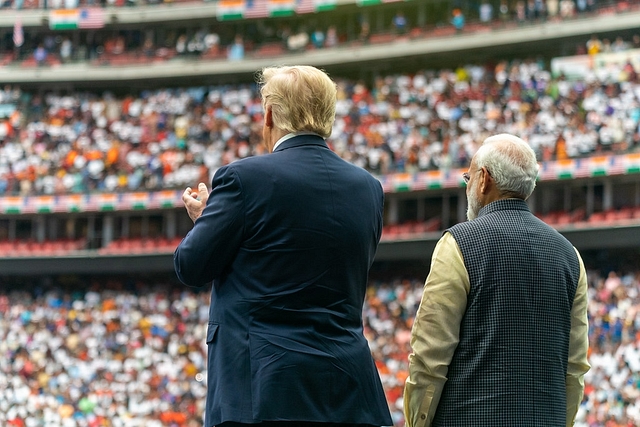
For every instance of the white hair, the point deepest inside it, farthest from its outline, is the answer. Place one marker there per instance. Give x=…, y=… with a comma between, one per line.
x=511, y=162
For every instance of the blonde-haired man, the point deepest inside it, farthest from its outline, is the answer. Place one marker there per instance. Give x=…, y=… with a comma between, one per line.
x=287, y=239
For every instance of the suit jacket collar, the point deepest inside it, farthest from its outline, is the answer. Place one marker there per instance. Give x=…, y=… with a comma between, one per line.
x=300, y=140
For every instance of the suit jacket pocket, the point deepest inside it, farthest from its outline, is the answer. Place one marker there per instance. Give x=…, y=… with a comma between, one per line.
x=212, y=330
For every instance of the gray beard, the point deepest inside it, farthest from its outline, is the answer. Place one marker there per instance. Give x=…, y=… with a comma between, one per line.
x=473, y=206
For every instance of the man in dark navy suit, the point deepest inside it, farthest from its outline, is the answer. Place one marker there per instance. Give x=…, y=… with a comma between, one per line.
x=287, y=239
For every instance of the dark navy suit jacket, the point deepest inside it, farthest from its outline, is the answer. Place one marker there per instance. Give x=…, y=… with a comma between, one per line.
x=287, y=239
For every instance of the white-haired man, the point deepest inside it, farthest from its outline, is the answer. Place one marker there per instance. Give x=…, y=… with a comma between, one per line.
x=500, y=337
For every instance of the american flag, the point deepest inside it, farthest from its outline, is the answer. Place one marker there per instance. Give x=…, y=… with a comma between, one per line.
x=616, y=165
x=305, y=6
x=18, y=33
x=91, y=17
x=256, y=9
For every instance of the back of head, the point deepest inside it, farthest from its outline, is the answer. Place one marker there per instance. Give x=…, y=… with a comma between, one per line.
x=302, y=98
x=511, y=163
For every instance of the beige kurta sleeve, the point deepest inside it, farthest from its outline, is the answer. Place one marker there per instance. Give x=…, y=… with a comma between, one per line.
x=436, y=332
x=578, y=347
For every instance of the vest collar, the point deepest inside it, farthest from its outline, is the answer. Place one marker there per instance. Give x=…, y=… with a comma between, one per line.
x=504, y=205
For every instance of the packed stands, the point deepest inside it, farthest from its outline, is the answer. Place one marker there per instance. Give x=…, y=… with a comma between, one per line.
x=301, y=31
x=130, y=351
x=97, y=351
x=169, y=138
x=611, y=394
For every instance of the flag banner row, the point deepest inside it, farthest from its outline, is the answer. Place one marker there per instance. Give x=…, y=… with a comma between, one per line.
x=91, y=202
x=549, y=171
x=427, y=180
x=376, y=2
x=72, y=19
x=227, y=10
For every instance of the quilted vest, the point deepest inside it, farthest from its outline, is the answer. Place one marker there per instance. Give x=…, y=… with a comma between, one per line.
x=510, y=365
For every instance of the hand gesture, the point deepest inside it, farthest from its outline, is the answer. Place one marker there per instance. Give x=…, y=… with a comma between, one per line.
x=195, y=201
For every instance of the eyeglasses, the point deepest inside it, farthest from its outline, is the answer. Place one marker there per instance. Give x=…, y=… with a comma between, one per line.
x=466, y=177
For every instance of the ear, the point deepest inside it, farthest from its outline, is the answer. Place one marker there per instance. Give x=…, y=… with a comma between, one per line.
x=268, y=117
x=485, y=181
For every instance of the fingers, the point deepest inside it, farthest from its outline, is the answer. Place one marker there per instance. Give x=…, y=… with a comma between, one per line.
x=186, y=195
x=203, y=192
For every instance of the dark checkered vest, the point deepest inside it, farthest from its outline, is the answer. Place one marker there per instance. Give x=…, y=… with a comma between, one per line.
x=510, y=365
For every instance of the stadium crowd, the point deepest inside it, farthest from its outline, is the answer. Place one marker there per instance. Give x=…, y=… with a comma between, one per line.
x=299, y=32
x=132, y=352
x=169, y=138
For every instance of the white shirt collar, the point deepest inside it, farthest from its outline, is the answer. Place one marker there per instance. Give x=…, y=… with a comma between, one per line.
x=291, y=135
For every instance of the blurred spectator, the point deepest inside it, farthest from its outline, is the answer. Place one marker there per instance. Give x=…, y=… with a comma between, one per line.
x=567, y=9
x=619, y=45
x=399, y=23
x=332, y=36
x=66, y=49
x=298, y=41
x=148, y=48
x=505, y=12
x=40, y=55
x=211, y=41
x=236, y=50
x=552, y=9
x=365, y=32
x=521, y=12
x=197, y=45
x=594, y=45
x=317, y=38
x=458, y=20
x=486, y=12
x=181, y=44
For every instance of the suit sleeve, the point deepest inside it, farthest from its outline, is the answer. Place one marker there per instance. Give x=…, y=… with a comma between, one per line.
x=214, y=240
x=578, y=364
x=436, y=332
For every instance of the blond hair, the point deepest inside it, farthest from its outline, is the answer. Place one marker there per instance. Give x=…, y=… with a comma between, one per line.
x=301, y=97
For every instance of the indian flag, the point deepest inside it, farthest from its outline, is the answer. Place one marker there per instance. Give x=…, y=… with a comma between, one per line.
x=598, y=165
x=402, y=182
x=11, y=205
x=44, y=204
x=279, y=8
x=434, y=179
x=136, y=201
x=312, y=6
x=168, y=198
x=64, y=19
x=324, y=5
x=565, y=169
x=106, y=202
x=227, y=10
x=368, y=2
x=632, y=163
x=72, y=203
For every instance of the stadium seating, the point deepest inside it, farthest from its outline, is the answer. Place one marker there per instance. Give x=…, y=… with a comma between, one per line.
x=147, y=345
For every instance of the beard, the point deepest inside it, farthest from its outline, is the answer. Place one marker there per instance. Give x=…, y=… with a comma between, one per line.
x=473, y=204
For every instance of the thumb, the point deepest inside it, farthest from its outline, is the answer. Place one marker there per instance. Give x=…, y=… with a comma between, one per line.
x=203, y=192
